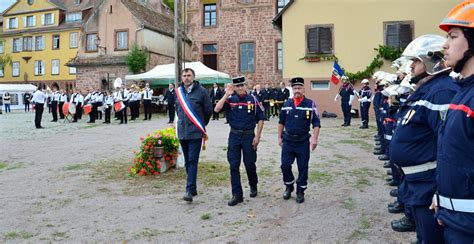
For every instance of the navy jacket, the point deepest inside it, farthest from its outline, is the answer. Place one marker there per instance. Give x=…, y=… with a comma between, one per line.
x=200, y=103
x=170, y=97
x=243, y=112
x=455, y=171
x=298, y=120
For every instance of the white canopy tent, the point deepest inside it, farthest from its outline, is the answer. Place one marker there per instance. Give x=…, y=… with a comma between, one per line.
x=164, y=74
x=16, y=92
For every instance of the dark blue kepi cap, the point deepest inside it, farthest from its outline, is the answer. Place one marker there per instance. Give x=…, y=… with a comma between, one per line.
x=238, y=80
x=297, y=81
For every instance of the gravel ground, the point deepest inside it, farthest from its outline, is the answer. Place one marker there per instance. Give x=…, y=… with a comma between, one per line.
x=69, y=183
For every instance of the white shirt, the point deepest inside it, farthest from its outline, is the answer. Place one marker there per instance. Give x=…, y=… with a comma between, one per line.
x=55, y=96
x=80, y=99
x=99, y=97
x=63, y=97
x=291, y=92
x=39, y=97
x=147, y=94
x=109, y=100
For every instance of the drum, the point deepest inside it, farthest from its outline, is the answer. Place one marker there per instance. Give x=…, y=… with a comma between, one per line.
x=87, y=109
x=72, y=108
x=119, y=106
x=65, y=109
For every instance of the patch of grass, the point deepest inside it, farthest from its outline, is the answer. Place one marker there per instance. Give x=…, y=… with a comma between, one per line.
x=3, y=165
x=213, y=174
x=237, y=223
x=362, y=144
x=18, y=235
x=266, y=172
x=151, y=233
x=57, y=235
x=357, y=235
x=77, y=166
x=362, y=177
x=364, y=223
x=342, y=157
x=320, y=177
x=348, y=204
x=16, y=166
x=206, y=216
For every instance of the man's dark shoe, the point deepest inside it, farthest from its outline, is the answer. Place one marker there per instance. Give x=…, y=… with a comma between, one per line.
x=235, y=200
x=377, y=148
x=396, y=208
x=392, y=204
x=188, y=197
x=253, y=191
x=378, y=152
x=194, y=193
x=393, y=183
x=287, y=193
x=364, y=127
x=394, y=192
x=388, y=179
x=299, y=197
x=403, y=225
x=384, y=157
x=344, y=124
x=386, y=165
x=377, y=143
x=389, y=171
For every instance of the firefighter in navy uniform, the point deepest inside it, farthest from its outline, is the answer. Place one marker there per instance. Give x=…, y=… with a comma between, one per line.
x=365, y=96
x=245, y=113
x=346, y=92
x=266, y=96
x=455, y=173
x=413, y=145
x=297, y=117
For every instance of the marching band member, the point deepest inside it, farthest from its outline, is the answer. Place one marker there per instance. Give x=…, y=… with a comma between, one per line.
x=62, y=99
x=54, y=103
x=147, y=93
x=109, y=102
x=99, y=102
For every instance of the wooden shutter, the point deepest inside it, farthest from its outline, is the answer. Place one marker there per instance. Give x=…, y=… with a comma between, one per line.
x=8, y=23
x=391, y=35
x=313, y=40
x=34, y=20
x=43, y=68
x=36, y=67
x=325, y=40
x=42, y=19
x=25, y=19
x=52, y=18
x=405, y=35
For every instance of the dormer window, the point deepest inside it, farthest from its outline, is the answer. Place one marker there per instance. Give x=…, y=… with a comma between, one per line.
x=74, y=17
x=77, y=2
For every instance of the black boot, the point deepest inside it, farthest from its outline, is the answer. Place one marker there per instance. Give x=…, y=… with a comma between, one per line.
x=389, y=171
x=235, y=200
x=288, y=191
x=299, y=197
x=378, y=152
x=384, y=157
x=403, y=225
x=188, y=197
x=386, y=165
x=394, y=192
x=393, y=183
x=253, y=191
x=396, y=208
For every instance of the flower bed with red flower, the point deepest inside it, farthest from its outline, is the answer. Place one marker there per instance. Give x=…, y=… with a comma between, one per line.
x=144, y=163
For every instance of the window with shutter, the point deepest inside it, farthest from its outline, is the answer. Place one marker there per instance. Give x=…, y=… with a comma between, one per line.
x=121, y=38
x=73, y=40
x=319, y=39
x=16, y=69
x=39, y=43
x=91, y=43
x=398, y=34
x=56, y=41
x=2, y=46
x=55, y=67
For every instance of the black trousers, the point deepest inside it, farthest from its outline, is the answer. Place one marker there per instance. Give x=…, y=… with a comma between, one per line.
x=346, y=111
x=93, y=113
x=98, y=113
x=266, y=106
x=79, y=110
x=54, y=110
x=364, y=112
x=147, y=108
x=123, y=116
x=27, y=106
x=215, y=115
x=60, y=108
x=38, y=114
x=171, y=111
x=107, y=114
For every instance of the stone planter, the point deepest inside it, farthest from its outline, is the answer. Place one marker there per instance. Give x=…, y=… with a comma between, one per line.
x=158, y=152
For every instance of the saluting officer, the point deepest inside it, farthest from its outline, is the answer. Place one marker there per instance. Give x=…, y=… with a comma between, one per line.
x=455, y=173
x=244, y=112
x=297, y=116
x=346, y=92
x=413, y=145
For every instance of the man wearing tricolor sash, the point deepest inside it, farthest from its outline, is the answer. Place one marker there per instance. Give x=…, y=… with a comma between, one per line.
x=194, y=110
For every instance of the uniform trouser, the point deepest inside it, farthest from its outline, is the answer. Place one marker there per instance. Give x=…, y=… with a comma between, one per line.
x=98, y=113
x=107, y=114
x=124, y=116
x=239, y=144
x=278, y=107
x=454, y=236
x=171, y=111
x=215, y=115
x=27, y=107
x=346, y=111
x=38, y=114
x=79, y=111
x=299, y=150
x=396, y=176
x=93, y=113
x=427, y=226
x=275, y=109
x=132, y=110
x=54, y=110
x=266, y=106
x=191, y=151
x=147, y=108
x=61, y=114
x=364, y=113
x=379, y=125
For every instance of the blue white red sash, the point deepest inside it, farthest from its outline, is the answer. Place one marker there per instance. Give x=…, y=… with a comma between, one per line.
x=188, y=110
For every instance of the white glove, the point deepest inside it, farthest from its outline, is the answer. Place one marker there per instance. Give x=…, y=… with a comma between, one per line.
x=350, y=103
x=361, y=100
x=335, y=99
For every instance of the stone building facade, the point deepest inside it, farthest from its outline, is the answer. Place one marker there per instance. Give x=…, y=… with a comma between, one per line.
x=236, y=37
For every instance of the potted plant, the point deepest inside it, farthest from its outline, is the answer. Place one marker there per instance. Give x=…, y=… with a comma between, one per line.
x=158, y=152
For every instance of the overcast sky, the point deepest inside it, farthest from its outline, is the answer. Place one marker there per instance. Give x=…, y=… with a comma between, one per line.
x=4, y=4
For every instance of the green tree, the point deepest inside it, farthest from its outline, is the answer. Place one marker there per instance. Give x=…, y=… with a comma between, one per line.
x=137, y=59
x=169, y=3
x=5, y=60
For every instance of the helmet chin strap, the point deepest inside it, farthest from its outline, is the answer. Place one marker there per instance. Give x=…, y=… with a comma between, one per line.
x=416, y=79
